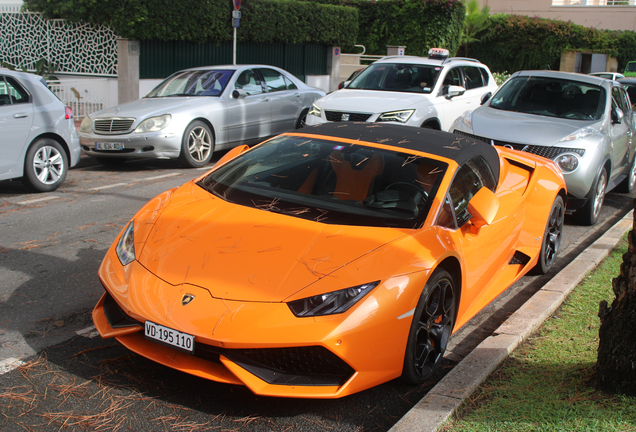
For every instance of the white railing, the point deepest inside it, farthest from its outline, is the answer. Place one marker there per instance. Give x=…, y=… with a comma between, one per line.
x=83, y=96
x=592, y=3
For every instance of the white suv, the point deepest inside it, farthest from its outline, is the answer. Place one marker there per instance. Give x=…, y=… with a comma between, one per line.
x=416, y=91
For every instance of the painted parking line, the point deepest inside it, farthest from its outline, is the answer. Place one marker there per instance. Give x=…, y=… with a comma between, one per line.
x=50, y=197
x=158, y=177
x=88, y=332
x=9, y=364
x=109, y=186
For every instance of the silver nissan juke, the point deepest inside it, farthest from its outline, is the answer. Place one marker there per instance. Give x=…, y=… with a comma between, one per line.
x=584, y=123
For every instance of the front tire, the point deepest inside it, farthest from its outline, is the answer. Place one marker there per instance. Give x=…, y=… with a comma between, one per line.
x=551, y=237
x=302, y=120
x=627, y=185
x=45, y=166
x=589, y=213
x=197, y=145
x=431, y=328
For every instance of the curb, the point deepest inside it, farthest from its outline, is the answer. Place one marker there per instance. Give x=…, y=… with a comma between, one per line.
x=451, y=392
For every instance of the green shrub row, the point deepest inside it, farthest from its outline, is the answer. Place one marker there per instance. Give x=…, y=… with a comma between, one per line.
x=287, y=21
x=515, y=42
x=417, y=24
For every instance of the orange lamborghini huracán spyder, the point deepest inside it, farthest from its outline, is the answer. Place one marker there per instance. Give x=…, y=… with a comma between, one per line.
x=330, y=259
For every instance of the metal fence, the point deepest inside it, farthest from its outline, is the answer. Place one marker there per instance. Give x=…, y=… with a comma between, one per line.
x=83, y=96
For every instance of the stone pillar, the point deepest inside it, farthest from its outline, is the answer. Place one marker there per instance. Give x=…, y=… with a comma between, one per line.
x=393, y=50
x=127, y=70
x=333, y=68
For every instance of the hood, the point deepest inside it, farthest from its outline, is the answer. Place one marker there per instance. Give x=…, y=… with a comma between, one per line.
x=247, y=254
x=370, y=101
x=523, y=128
x=150, y=107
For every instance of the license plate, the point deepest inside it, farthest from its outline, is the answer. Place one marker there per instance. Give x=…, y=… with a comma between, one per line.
x=168, y=336
x=109, y=146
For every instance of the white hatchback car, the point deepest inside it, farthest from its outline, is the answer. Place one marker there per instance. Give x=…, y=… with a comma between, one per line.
x=416, y=91
x=39, y=142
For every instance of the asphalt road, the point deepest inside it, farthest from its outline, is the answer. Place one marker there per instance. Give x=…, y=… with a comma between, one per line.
x=50, y=248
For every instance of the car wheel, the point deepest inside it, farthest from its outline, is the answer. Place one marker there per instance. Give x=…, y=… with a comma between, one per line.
x=627, y=185
x=551, y=237
x=197, y=145
x=302, y=120
x=45, y=166
x=431, y=328
x=589, y=213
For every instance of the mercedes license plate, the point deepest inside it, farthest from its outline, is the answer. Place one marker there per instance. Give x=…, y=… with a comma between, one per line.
x=168, y=336
x=109, y=146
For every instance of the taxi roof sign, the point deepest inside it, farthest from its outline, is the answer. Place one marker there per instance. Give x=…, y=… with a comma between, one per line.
x=438, y=53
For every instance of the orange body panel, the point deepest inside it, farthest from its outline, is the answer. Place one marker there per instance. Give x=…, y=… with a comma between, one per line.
x=243, y=265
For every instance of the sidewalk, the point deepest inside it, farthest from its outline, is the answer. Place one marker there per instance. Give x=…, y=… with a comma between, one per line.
x=450, y=393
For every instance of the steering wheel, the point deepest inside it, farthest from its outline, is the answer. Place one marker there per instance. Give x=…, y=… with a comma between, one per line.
x=419, y=189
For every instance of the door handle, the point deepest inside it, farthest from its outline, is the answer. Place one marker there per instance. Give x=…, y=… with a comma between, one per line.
x=265, y=100
x=20, y=115
x=297, y=95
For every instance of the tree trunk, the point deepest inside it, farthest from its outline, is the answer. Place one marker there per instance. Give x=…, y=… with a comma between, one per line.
x=616, y=364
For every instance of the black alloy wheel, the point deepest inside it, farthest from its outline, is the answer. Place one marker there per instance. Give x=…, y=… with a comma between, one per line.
x=431, y=328
x=551, y=237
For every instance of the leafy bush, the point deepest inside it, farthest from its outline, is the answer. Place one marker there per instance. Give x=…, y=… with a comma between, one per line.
x=262, y=21
x=515, y=42
x=417, y=24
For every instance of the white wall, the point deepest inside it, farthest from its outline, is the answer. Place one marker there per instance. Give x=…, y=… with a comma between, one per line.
x=320, y=81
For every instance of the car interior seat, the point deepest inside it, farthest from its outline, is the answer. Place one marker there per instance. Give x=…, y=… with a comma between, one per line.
x=355, y=173
x=5, y=99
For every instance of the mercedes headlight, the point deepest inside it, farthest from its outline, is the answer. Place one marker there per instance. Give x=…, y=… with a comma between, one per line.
x=315, y=110
x=396, y=116
x=153, y=124
x=332, y=303
x=87, y=125
x=126, y=245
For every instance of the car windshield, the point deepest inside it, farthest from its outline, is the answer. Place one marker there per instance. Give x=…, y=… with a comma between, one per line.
x=331, y=182
x=631, y=67
x=412, y=78
x=193, y=83
x=551, y=97
x=631, y=91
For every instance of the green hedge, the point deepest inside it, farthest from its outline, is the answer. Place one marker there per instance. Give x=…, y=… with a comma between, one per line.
x=516, y=42
x=417, y=24
x=287, y=21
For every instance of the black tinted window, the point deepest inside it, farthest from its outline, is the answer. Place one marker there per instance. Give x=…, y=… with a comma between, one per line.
x=473, y=77
x=471, y=177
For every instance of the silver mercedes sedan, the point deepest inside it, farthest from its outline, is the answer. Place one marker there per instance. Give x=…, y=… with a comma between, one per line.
x=584, y=123
x=196, y=111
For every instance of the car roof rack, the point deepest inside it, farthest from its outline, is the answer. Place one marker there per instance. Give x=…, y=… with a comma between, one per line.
x=461, y=58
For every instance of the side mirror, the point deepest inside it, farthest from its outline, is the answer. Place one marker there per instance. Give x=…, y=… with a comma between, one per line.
x=231, y=154
x=485, y=98
x=239, y=94
x=617, y=115
x=483, y=207
x=454, y=91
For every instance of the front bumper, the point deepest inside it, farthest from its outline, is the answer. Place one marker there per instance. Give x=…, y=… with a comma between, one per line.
x=260, y=345
x=160, y=145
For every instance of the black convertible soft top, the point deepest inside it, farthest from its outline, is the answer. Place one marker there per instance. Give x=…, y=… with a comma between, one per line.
x=451, y=146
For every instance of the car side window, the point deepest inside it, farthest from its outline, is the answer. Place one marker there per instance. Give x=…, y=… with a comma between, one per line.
x=625, y=98
x=619, y=100
x=273, y=80
x=446, y=217
x=473, y=77
x=290, y=84
x=470, y=177
x=11, y=92
x=249, y=83
x=453, y=77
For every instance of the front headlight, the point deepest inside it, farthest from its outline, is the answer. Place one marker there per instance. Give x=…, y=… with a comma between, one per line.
x=315, y=110
x=396, y=116
x=580, y=134
x=567, y=162
x=153, y=124
x=467, y=120
x=87, y=125
x=332, y=303
x=126, y=245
